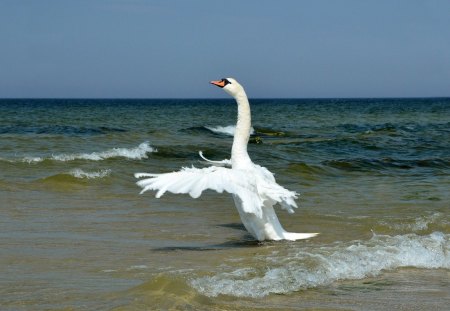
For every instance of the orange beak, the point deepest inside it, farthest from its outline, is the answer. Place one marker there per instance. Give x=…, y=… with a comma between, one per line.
x=218, y=83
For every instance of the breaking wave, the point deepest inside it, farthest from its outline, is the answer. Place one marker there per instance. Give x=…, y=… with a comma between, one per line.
x=137, y=153
x=309, y=268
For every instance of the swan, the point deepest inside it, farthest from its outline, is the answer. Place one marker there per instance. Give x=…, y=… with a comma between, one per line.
x=253, y=187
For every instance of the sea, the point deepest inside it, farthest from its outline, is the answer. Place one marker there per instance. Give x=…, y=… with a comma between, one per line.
x=75, y=234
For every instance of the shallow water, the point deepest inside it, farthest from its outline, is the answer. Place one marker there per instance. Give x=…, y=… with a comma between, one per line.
x=75, y=234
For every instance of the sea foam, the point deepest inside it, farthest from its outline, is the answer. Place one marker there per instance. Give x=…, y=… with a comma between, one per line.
x=308, y=268
x=79, y=173
x=417, y=224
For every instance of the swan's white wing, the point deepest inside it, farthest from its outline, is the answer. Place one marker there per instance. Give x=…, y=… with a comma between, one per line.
x=268, y=189
x=276, y=193
x=225, y=162
x=194, y=181
x=264, y=172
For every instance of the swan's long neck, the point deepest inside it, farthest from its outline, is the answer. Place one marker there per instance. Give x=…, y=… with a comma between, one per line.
x=239, y=155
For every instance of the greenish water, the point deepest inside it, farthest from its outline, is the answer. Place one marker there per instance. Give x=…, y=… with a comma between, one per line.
x=374, y=178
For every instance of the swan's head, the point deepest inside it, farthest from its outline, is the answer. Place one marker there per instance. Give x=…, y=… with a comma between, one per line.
x=229, y=85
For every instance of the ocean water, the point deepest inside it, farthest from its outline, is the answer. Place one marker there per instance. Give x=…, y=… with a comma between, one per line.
x=373, y=174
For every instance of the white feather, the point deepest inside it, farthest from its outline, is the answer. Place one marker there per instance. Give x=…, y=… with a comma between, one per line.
x=224, y=162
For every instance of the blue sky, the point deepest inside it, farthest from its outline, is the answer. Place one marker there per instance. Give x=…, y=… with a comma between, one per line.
x=286, y=48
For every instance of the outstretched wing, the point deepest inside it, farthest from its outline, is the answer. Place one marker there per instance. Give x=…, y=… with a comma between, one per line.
x=269, y=190
x=277, y=194
x=194, y=181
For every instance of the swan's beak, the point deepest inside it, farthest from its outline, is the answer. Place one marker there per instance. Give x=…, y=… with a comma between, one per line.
x=218, y=83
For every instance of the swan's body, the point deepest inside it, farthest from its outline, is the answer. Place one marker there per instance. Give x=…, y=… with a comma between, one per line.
x=253, y=187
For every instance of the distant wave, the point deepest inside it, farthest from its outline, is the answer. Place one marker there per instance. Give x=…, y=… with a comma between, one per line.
x=374, y=166
x=58, y=130
x=137, y=153
x=308, y=268
x=229, y=130
x=363, y=164
x=226, y=130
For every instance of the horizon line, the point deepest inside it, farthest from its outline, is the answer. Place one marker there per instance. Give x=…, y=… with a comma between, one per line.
x=216, y=98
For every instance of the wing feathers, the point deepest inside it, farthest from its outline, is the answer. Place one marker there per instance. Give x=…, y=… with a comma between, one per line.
x=253, y=188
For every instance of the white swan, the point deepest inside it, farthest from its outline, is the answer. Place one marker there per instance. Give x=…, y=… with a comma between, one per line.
x=253, y=187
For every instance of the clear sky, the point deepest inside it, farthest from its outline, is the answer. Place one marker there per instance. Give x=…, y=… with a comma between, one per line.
x=173, y=48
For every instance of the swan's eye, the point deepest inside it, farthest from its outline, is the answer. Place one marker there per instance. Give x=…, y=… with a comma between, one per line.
x=226, y=81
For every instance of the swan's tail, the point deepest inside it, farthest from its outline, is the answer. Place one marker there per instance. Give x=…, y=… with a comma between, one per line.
x=292, y=236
